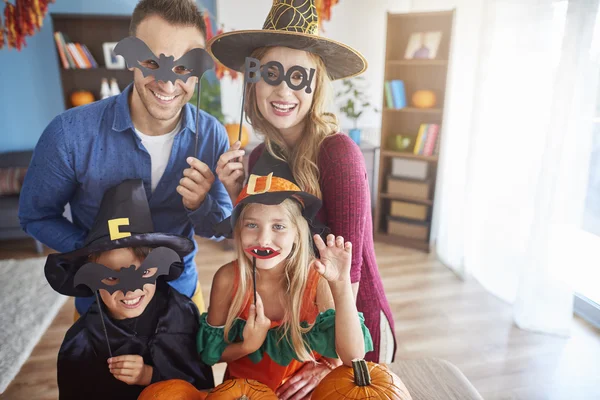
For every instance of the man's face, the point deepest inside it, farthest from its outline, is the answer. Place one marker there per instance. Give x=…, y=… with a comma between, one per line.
x=163, y=101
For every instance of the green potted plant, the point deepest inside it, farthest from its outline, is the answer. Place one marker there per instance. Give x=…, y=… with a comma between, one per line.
x=354, y=102
x=210, y=101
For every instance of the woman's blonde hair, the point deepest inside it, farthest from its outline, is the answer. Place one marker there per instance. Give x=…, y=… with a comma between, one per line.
x=302, y=157
x=296, y=271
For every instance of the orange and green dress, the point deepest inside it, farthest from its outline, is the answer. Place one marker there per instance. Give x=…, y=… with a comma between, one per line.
x=276, y=360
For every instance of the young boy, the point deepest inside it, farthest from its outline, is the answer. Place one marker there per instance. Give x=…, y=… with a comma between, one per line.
x=140, y=330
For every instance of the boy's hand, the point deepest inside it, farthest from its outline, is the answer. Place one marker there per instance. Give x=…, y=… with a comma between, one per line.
x=256, y=327
x=336, y=258
x=130, y=369
x=195, y=184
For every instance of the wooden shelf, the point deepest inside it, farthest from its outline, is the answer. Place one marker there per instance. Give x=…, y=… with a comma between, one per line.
x=415, y=110
x=401, y=154
x=393, y=196
x=418, y=63
x=416, y=74
x=401, y=241
x=92, y=31
x=103, y=69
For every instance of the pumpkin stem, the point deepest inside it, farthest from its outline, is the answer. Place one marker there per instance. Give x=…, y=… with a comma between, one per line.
x=243, y=397
x=361, y=373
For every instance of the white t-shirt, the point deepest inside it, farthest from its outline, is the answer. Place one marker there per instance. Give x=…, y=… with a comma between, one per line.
x=159, y=148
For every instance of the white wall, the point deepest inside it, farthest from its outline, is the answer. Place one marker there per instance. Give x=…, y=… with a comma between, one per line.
x=357, y=23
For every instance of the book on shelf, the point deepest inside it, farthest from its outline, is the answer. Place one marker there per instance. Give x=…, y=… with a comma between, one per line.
x=432, y=136
x=389, y=100
x=73, y=55
x=427, y=139
x=395, y=94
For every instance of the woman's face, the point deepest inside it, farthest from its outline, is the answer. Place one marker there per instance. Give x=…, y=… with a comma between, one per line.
x=267, y=234
x=282, y=106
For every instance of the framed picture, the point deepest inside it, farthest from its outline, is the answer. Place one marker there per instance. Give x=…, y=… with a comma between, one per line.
x=423, y=45
x=111, y=60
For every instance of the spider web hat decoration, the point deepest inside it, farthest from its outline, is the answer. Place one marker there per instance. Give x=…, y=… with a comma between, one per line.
x=293, y=24
x=193, y=63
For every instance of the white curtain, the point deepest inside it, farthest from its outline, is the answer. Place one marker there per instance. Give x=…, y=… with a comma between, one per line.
x=514, y=171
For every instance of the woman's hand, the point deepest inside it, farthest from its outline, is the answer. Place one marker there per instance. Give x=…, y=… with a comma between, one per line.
x=130, y=369
x=257, y=326
x=336, y=258
x=230, y=170
x=303, y=382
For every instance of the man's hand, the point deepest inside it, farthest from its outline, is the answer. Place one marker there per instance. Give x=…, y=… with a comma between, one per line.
x=195, y=184
x=130, y=369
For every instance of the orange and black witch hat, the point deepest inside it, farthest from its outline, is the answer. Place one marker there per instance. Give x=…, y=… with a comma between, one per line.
x=271, y=182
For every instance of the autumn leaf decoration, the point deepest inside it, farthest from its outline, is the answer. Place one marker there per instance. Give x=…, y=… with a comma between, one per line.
x=21, y=19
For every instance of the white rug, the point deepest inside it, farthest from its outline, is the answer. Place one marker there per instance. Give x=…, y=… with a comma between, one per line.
x=27, y=307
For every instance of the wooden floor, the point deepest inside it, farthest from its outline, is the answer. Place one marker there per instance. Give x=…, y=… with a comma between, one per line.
x=436, y=315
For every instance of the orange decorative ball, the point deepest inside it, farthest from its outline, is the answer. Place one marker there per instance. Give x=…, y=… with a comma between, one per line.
x=241, y=389
x=364, y=380
x=233, y=133
x=423, y=99
x=81, y=97
x=172, y=389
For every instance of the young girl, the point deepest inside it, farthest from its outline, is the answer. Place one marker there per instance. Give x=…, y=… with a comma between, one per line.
x=294, y=122
x=288, y=321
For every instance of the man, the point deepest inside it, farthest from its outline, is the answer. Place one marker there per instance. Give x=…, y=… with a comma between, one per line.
x=147, y=132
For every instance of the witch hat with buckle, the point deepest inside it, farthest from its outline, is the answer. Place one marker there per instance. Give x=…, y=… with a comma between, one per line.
x=124, y=220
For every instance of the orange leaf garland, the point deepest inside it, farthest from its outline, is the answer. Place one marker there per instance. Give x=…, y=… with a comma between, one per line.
x=11, y=25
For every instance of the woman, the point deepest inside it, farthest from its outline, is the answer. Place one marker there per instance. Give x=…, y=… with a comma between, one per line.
x=287, y=106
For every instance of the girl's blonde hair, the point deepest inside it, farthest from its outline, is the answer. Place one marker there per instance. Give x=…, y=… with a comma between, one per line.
x=296, y=271
x=302, y=157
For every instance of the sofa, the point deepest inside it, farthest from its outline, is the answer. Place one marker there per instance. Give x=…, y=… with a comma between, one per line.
x=10, y=228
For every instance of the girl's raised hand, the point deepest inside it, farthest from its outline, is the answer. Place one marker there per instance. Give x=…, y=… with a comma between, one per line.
x=230, y=170
x=336, y=257
x=257, y=326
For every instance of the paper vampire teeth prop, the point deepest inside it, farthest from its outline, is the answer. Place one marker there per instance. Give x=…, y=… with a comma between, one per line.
x=127, y=279
x=262, y=252
x=193, y=63
x=253, y=72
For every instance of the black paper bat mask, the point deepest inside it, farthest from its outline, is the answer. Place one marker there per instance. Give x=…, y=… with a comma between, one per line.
x=128, y=279
x=193, y=63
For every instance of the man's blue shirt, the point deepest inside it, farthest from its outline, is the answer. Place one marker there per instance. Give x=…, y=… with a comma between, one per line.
x=86, y=150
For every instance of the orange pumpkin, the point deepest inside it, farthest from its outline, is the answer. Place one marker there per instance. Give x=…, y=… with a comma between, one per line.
x=172, y=389
x=424, y=99
x=81, y=97
x=241, y=389
x=364, y=380
x=233, y=131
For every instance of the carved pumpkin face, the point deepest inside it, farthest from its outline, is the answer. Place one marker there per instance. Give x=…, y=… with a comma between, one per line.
x=364, y=380
x=172, y=389
x=241, y=389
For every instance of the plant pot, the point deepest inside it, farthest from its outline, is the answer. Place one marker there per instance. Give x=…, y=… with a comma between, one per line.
x=355, y=135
